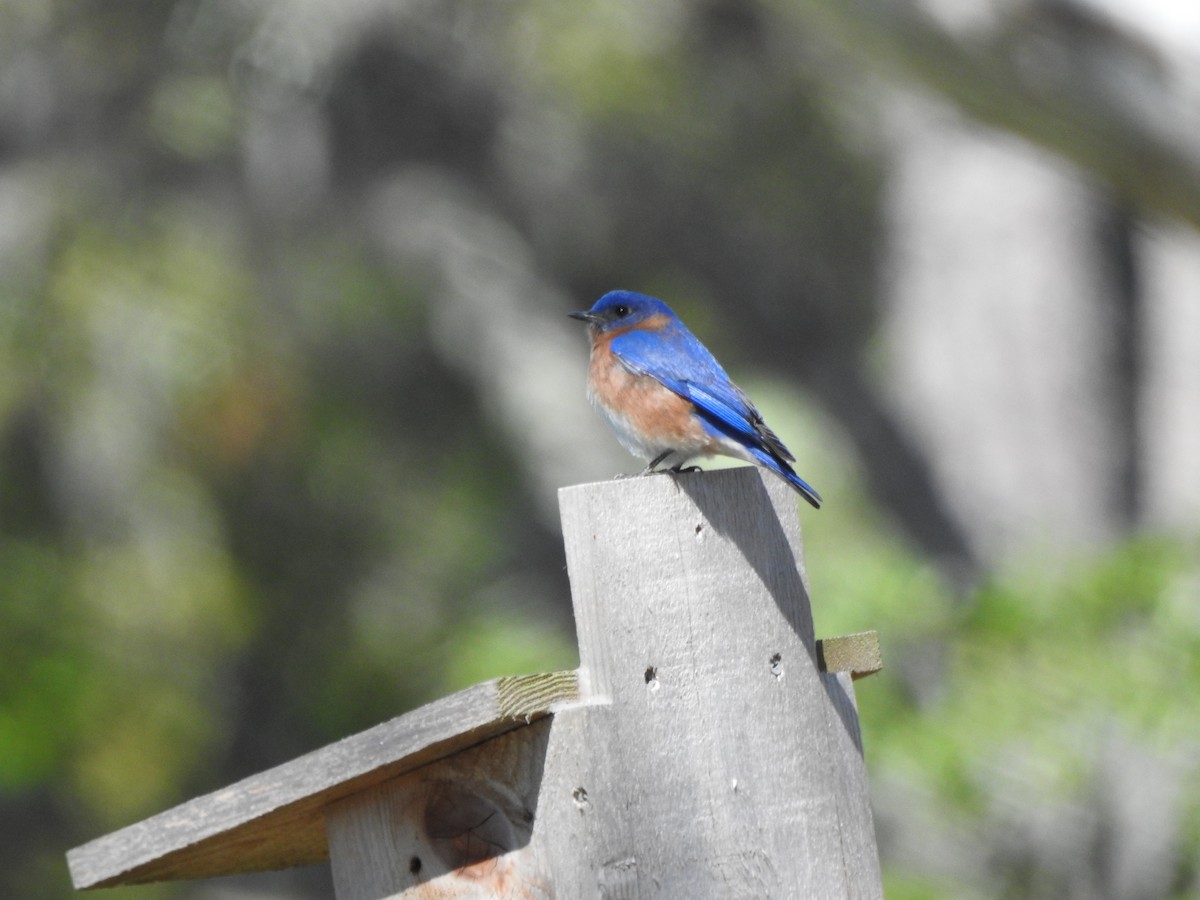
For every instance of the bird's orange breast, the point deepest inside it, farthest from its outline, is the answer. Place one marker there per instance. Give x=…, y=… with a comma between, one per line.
x=650, y=408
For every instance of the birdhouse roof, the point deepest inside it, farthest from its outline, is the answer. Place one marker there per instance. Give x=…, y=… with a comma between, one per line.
x=275, y=819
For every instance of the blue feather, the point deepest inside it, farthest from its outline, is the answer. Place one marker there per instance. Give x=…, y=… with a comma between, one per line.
x=652, y=341
x=676, y=358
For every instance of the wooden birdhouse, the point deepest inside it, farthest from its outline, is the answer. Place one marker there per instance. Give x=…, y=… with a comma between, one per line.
x=707, y=746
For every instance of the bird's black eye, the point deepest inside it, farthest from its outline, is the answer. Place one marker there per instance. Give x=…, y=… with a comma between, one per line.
x=621, y=311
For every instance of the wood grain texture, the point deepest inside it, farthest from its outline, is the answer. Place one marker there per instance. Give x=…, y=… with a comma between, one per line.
x=706, y=748
x=276, y=819
x=858, y=654
x=723, y=763
x=457, y=828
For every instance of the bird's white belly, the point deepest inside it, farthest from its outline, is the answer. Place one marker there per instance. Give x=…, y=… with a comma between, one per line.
x=642, y=446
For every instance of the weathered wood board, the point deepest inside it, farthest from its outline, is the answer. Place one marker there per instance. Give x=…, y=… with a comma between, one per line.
x=276, y=819
x=726, y=763
x=708, y=746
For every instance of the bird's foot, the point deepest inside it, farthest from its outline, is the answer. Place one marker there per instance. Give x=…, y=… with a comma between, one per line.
x=654, y=462
x=685, y=470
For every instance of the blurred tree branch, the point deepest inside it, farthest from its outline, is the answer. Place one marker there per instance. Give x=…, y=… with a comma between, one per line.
x=1056, y=73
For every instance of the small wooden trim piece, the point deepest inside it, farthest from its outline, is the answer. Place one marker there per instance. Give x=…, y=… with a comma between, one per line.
x=530, y=697
x=858, y=654
x=276, y=819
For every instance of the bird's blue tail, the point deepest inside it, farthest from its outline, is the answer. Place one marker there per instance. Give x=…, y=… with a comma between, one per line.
x=787, y=473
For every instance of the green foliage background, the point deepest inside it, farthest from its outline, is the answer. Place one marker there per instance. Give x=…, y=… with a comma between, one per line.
x=250, y=502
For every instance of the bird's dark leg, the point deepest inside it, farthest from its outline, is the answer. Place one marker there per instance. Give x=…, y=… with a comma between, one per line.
x=654, y=462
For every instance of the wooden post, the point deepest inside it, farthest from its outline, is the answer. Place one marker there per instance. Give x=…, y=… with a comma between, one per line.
x=707, y=747
x=715, y=759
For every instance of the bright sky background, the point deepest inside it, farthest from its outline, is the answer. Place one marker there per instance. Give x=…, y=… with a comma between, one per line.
x=1173, y=23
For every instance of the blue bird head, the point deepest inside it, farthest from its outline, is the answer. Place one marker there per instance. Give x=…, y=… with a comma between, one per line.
x=622, y=309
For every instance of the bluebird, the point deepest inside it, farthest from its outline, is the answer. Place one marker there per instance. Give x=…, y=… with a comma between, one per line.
x=667, y=398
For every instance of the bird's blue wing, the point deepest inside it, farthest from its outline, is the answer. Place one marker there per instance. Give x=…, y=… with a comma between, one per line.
x=676, y=358
x=679, y=361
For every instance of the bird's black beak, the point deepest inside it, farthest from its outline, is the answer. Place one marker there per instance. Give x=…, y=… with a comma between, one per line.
x=585, y=316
